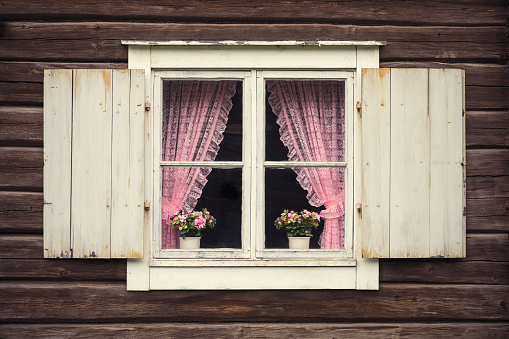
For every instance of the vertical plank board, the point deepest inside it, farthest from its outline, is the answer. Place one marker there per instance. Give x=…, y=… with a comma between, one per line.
x=376, y=156
x=120, y=163
x=138, y=270
x=134, y=248
x=91, y=164
x=57, y=163
x=446, y=170
x=410, y=142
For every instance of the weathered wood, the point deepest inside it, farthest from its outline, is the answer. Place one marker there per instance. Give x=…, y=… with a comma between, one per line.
x=481, y=187
x=41, y=302
x=21, y=168
x=479, y=247
x=21, y=126
x=415, y=12
x=21, y=212
x=445, y=271
x=475, y=74
x=477, y=98
x=100, y=50
x=63, y=270
x=259, y=330
x=488, y=215
x=177, y=31
x=16, y=71
x=487, y=129
x=488, y=162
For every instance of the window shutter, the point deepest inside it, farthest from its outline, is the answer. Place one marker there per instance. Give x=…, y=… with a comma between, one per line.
x=413, y=151
x=93, y=163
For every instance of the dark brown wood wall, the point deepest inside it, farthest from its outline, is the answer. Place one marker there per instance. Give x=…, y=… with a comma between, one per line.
x=51, y=298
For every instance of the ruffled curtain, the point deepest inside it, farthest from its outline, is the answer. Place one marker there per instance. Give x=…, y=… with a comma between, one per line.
x=194, y=119
x=312, y=126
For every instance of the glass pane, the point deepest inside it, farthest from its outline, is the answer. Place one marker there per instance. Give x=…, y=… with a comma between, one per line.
x=305, y=120
x=202, y=120
x=220, y=193
x=283, y=191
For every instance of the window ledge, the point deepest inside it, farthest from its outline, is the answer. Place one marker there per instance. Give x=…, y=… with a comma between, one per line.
x=251, y=263
x=251, y=43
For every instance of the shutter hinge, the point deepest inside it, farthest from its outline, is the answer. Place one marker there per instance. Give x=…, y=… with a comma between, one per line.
x=147, y=106
x=358, y=206
x=147, y=205
x=463, y=113
x=358, y=106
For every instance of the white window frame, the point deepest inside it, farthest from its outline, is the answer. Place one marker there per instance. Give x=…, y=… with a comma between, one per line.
x=152, y=273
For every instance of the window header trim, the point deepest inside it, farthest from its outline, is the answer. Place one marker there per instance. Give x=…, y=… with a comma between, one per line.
x=251, y=43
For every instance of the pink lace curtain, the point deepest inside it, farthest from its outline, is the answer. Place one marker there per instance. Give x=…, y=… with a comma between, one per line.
x=312, y=124
x=194, y=119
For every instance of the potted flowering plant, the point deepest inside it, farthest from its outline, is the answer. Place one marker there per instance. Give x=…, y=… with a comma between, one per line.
x=298, y=226
x=191, y=225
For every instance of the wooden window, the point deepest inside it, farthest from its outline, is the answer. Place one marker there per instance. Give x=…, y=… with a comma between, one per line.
x=404, y=165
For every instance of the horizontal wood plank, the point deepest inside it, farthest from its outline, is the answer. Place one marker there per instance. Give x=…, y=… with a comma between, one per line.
x=445, y=271
x=367, y=330
x=191, y=31
x=483, y=187
x=106, y=302
x=487, y=129
x=21, y=167
x=490, y=12
x=21, y=212
x=475, y=74
x=23, y=126
x=494, y=247
x=477, y=98
x=63, y=270
x=101, y=50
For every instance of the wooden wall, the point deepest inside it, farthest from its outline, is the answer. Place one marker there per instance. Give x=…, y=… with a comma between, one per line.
x=51, y=298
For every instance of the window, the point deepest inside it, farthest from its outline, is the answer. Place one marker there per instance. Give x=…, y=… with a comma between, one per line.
x=120, y=161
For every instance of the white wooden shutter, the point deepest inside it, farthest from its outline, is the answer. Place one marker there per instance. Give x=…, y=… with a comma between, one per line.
x=413, y=163
x=93, y=163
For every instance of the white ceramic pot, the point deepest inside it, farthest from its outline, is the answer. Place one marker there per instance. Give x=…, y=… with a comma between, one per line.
x=189, y=243
x=299, y=243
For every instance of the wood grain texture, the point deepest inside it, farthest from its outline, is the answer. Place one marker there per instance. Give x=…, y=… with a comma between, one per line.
x=465, y=12
x=21, y=212
x=195, y=31
x=476, y=74
x=367, y=330
x=109, y=302
x=100, y=50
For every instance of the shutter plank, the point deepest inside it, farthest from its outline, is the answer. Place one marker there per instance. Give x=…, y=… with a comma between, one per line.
x=57, y=163
x=409, y=197
x=91, y=164
x=375, y=162
x=127, y=164
x=446, y=191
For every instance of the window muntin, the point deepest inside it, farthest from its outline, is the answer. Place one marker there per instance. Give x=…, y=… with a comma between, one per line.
x=254, y=222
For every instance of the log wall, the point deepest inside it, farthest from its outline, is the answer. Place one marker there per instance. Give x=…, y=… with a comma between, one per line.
x=440, y=298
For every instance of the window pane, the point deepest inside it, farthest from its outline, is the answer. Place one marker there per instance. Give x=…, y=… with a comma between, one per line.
x=283, y=191
x=305, y=120
x=202, y=120
x=220, y=193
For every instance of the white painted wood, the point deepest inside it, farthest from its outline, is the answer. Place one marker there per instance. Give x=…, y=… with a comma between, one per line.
x=250, y=263
x=446, y=167
x=367, y=269
x=91, y=164
x=138, y=270
x=249, y=57
x=250, y=43
x=376, y=157
x=410, y=156
x=213, y=164
x=57, y=163
x=252, y=278
x=290, y=164
x=127, y=164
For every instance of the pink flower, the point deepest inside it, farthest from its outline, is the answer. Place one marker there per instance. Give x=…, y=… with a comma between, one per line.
x=316, y=215
x=200, y=222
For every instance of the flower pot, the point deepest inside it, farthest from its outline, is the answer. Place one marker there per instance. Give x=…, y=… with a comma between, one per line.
x=298, y=243
x=189, y=243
